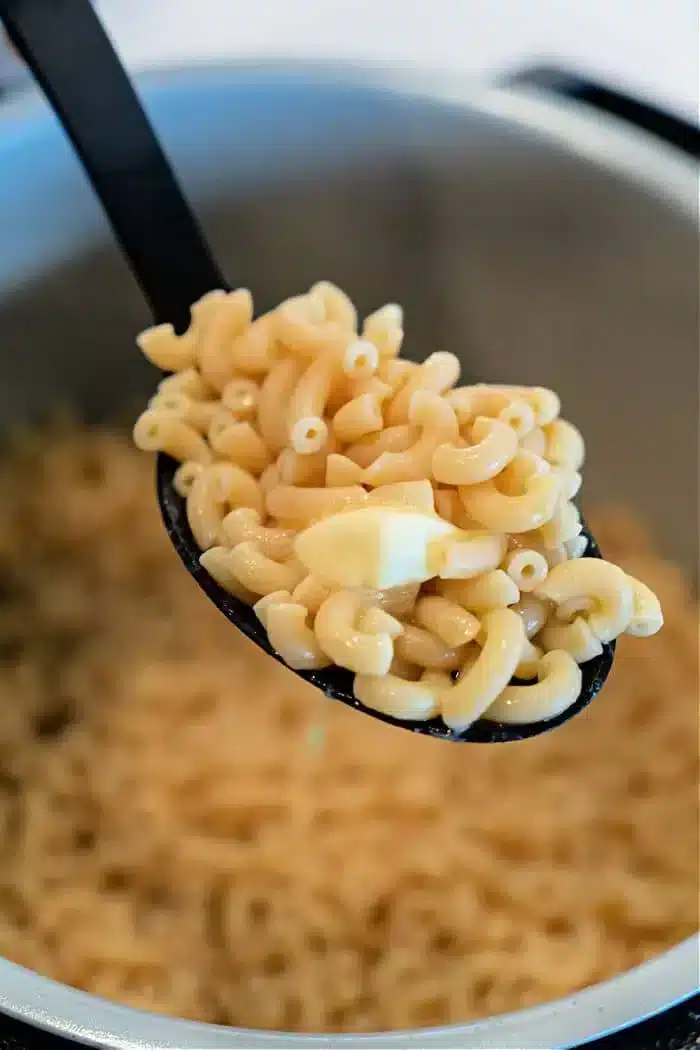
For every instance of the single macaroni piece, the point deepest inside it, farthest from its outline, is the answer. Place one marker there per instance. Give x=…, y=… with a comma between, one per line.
x=240, y=397
x=291, y=637
x=520, y=416
x=159, y=431
x=166, y=350
x=228, y=318
x=438, y=424
x=342, y=640
x=341, y=471
x=361, y=359
x=438, y=373
x=391, y=439
x=240, y=443
x=306, y=505
x=358, y=418
x=471, y=553
x=492, y=590
x=374, y=547
x=647, y=617
x=384, y=328
x=494, y=446
x=534, y=612
x=419, y=646
x=575, y=638
x=605, y=585
x=502, y=513
x=418, y=495
x=276, y=391
x=338, y=307
x=483, y=682
x=447, y=620
x=216, y=490
x=401, y=698
x=557, y=688
x=526, y=568
x=244, y=524
x=185, y=477
x=565, y=447
x=262, y=574
x=217, y=562
x=380, y=518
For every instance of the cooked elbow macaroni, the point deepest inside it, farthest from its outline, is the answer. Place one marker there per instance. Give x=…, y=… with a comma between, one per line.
x=381, y=519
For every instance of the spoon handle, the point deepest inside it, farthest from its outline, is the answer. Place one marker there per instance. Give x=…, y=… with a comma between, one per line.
x=70, y=55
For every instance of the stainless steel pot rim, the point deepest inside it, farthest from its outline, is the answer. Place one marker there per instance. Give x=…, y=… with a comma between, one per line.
x=572, y=1021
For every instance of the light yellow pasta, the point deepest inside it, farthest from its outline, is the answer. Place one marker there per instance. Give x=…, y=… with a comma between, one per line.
x=166, y=350
x=524, y=465
x=344, y=643
x=527, y=568
x=569, y=481
x=302, y=329
x=501, y=513
x=447, y=620
x=341, y=471
x=262, y=574
x=358, y=418
x=377, y=621
x=575, y=638
x=494, y=444
x=564, y=525
x=338, y=307
x=361, y=359
x=491, y=590
x=565, y=447
x=311, y=593
x=241, y=443
x=158, y=431
x=309, y=400
x=391, y=439
x=400, y=697
x=188, y=382
x=473, y=694
x=396, y=372
x=275, y=392
x=399, y=601
x=438, y=373
x=471, y=553
x=308, y=434
x=296, y=468
x=470, y=402
x=255, y=352
x=269, y=479
x=535, y=442
x=647, y=617
x=380, y=390
x=240, y=397
x=534, y=612
x=218, y=489
x=292, y=638
x=244, y=523
x=418, y=495
x=421, y=647
x=185, y=477
x=228, y=319
x=557, y=688
x=384, y=328
x=306, y=505
x=529, y=661
x=447, y=504
x=217, y=562
x=603, y=584
x=520, y=416
x=438, y=425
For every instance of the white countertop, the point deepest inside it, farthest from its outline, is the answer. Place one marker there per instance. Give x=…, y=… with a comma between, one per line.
x=648, y=47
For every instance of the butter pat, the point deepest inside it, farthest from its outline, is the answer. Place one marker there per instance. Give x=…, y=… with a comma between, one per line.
x=374, y=547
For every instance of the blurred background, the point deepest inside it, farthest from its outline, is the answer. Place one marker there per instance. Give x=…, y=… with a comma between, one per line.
x=648, y=47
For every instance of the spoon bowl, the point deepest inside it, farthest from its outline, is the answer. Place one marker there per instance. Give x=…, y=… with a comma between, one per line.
x=336, y=682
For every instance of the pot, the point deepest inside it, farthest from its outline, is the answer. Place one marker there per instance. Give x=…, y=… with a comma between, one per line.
x=545, y=228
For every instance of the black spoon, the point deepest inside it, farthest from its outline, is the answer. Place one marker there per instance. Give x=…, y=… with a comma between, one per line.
x=72, y=59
